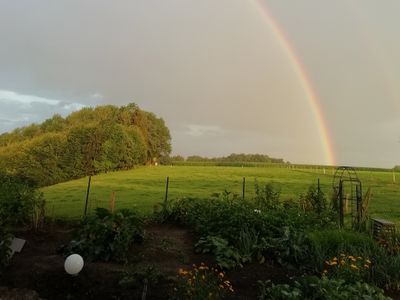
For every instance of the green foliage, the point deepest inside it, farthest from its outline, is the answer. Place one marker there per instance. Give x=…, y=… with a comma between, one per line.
x=291, y=248
x=19, y=200
x=328, y=243
x=201, y=283
x=234, y=158
x=86, y=142
x=236, y=231
x=314, y=200
x=226, y=256
x=107, y=236
x=141, y=277
x=385, y=269
x=5, y=242
x=267, y=196
x=313, y=288
x=348, y=267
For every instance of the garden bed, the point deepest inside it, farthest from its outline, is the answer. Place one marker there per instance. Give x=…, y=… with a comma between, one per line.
x=39, y=266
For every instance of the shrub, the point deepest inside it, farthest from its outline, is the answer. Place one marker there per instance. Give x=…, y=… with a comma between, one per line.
x=20, y=202
x=385, y=269
x=107, y=236
x=310, y=288
x=267, y=196
x=201, y=283
x=247, y=231
x=314, y=200
x=5, y=241
x=226, y=256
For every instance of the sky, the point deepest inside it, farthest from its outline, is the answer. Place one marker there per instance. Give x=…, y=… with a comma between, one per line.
x=218, y=72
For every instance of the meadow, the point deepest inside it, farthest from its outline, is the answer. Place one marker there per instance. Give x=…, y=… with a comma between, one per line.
x=144, y=187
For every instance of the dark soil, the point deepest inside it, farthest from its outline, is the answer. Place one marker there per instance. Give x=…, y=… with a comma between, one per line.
x=38, y=271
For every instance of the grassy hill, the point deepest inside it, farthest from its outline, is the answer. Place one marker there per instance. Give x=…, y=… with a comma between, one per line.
x=144, y=187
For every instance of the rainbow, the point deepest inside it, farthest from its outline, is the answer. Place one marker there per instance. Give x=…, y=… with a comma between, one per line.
x=305, y=81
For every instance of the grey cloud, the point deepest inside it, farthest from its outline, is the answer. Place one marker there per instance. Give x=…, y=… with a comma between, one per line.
x=213, y=63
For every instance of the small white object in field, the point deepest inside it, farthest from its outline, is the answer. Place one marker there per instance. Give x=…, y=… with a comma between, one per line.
x=257, y=211
x=73, y=264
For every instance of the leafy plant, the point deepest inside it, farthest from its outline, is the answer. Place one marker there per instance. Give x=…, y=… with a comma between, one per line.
x=147, y=278
x=250, y=245
x=313, y=288
x=226, y=256
x=5, y=242
x=328, y=243
x=291, y=248
x=20, y=202
x=267, y=196
x=201, y=283
x=313, y=200
x=107, y=236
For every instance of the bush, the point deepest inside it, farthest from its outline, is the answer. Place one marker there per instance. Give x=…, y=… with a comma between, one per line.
x=107, y=236
x=310, y=288
x=267, y=196
x=5, y=241
x=314, y=200
x=20, y=202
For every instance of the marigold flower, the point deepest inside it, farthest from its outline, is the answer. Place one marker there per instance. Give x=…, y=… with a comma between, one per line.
x=368, y=261
x=353, y=266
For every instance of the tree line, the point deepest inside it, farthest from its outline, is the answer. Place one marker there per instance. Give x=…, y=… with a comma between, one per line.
x=88, y=141
x=234, y=157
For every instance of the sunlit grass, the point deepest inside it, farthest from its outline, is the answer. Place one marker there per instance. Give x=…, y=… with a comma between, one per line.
x=145, y=186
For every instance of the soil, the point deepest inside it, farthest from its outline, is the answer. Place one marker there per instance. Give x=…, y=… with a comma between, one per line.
x=38, y=271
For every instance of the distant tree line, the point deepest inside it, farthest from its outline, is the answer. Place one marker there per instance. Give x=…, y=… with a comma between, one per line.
x=261, y=158
x=88, y=141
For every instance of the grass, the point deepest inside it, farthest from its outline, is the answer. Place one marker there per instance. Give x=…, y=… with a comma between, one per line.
x=144, y=187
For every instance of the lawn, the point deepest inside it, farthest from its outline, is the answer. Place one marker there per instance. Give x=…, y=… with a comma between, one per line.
x=144, y=187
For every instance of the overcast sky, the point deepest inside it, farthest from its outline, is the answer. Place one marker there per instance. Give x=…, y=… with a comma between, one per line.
x=214, y=70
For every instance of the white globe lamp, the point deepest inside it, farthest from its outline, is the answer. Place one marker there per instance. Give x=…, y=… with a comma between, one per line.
x=73, y=264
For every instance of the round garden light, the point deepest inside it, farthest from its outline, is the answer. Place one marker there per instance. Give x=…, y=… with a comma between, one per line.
x=73, y=264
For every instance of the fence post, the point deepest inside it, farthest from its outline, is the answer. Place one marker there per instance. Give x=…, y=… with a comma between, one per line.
x=244, y=188
x=87, y=195
x=166, y=192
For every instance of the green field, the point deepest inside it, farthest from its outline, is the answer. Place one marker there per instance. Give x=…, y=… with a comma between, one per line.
x=145, y=186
